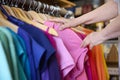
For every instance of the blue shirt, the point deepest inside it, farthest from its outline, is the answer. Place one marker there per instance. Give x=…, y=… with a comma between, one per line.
x=39, y=37
x=34, y=50
x=49, y=60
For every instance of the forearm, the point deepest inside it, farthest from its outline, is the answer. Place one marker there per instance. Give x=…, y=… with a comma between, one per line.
x=103, y=13
x=112, y=30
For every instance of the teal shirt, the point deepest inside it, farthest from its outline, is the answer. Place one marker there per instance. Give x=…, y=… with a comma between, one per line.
x=15, y=66
x=21, y=53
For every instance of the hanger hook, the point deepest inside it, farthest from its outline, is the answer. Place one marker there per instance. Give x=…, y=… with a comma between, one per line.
x=47, y=7
x=57, y=11
x=16, y=3
x=11, y=4
x=39, y=7
x=23, y=4
x=29, y=8
x=35, y=5
x=44, y=6
x=53, y=11
x=6, y=1
x=3, y=2
x=36, y=9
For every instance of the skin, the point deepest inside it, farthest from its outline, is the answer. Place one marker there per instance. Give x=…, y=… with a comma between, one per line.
x=105, y=12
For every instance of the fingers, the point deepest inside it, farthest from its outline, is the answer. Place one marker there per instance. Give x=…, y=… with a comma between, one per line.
x=91, y=46
x=64, y=26
x=59, y=20
x=87, y=42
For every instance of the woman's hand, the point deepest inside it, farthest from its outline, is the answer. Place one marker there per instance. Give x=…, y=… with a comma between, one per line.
x=93, y=39
x=65, y=23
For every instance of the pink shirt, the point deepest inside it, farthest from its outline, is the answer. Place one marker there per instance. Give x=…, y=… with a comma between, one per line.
x=72, y=42
x=64, y=58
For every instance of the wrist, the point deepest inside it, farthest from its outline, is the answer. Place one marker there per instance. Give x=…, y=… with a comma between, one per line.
x=104, y=35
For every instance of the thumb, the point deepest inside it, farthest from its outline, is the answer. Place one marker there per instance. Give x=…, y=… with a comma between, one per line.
x=91, y=46
x=62, y=27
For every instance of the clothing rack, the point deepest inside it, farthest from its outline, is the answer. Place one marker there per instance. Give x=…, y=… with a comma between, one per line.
x=39, y=7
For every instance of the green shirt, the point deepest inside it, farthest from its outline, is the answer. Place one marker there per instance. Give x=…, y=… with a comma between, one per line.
x=15, y=66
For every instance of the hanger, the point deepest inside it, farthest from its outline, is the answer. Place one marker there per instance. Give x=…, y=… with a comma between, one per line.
x=43, y=15
x=9, y=10
x=24, y=13
x=28, y=15
x=36, y=24
x=44, y=6
x=1, y=15
x=20, y=13
x=16, y=3
x=35, y=15
x=6, y=2
x=3, y=2
x=38, y=7
x=34, y=5
x=11, y=3
x=4, y=22
x=29, y=8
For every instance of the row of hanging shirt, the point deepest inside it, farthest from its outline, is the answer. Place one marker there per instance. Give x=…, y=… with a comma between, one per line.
x=39, y=7
x=40, y=51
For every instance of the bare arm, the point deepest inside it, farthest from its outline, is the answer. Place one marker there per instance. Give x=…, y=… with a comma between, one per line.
x=105, y=12
x=112, y=30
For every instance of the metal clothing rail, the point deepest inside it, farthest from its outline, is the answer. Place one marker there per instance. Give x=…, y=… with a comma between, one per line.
x=39, y=7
